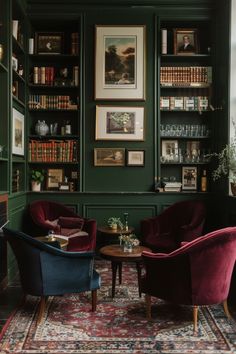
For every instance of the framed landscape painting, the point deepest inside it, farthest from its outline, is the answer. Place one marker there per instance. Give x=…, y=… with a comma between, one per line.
x=109, y=157
x=120, y=63
x=18, y=128
x=119, y=123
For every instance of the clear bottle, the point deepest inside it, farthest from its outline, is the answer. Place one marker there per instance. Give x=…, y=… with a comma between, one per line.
x=67, y=128
x=204, y=181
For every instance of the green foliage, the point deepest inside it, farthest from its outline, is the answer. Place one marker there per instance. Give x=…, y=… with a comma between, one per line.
x=114, y=221
x=226, y=160
x=37, y=176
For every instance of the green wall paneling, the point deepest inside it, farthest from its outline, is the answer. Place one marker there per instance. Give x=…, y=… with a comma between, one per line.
x=118, y=178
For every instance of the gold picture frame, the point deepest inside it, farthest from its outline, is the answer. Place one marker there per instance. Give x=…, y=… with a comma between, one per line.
x=186, y=41
x=109, y=157
x=55, y=176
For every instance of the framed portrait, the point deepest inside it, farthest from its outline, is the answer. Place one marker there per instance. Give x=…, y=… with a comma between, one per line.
x=169, y=149
x=49, y=43
x=119, y=123
x=109, y=157
x=186, y=41
x=55, y=177
x=18, y=132
x=189, y=178
x=135, y=157
x=120, y=62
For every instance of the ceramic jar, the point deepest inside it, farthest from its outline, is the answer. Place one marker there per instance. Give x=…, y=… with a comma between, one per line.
x=41, y=128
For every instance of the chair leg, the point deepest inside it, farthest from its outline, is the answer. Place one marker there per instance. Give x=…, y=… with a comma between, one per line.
x=94, y=300
x=226, y=309
x=41, y=309
x=148, y=306
x=195, y=315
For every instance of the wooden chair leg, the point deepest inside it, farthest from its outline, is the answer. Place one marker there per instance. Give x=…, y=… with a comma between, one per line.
x=41, y=309
x=94, y=300
x=195, y=315
x=148, y=306
x=226, y=309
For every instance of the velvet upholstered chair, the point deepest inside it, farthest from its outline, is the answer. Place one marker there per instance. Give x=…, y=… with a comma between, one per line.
x=46, y=270
x=182, y=221
x=196, y=274
x=47, y=215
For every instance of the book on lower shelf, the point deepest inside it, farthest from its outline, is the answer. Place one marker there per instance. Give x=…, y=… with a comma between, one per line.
x=172, y=186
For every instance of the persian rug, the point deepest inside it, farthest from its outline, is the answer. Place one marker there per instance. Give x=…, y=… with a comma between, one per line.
x=118, y=326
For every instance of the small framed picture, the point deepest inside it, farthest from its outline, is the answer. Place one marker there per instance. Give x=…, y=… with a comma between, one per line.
x=109, y=157
x=18, y=129
x=135, y=157
x=119, y=123
x=189, y=178
x=48, y=42
x=185, y=41
x=55, y=177
x=169, y=149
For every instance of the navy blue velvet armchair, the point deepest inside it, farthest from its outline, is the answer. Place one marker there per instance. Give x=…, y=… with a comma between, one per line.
x=46, y=270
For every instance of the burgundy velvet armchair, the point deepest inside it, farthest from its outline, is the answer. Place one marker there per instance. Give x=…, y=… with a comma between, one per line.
x=182, y=221
x=47, y=215
x=196, y=274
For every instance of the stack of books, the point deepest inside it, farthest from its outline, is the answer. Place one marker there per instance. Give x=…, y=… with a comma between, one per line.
x=172, y=187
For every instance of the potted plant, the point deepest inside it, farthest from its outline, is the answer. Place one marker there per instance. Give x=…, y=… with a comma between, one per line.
x=37, y=177
x=114, y=222
x=226, y=160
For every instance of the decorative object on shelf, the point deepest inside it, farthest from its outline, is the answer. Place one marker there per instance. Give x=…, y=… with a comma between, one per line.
x=126, y=218
x=53, y=128
x=169, y=151
x=37, y=177
x=49, y=43
x=204, y=181
x=1, y=52
x=109, y=157
x=1, y=150
x=119, y=123
x=31, y=45
x=189, y=178
x=64, y=186
x=54, y=178
x=120, y=62
x=21, y=70
x=41, y=128
x=128, y=242
x=115, y=223
x=18, y=129
x=185, y=41
x=14, y=63
x=135, y=158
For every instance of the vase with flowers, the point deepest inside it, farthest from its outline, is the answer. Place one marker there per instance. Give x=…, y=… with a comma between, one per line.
x=128, y=242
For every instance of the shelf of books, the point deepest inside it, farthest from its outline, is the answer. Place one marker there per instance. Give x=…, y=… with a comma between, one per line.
x=53, y=101
x=185, y=104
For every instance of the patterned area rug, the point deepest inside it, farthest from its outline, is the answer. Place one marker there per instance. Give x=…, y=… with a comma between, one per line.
x=118, y=326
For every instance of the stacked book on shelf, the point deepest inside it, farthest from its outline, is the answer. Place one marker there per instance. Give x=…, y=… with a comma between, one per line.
x=190, y=76
x=172, y=186
x=74, y=43
x=182, y=103
x=53, y=151
x=48, y=75
x=56, y=102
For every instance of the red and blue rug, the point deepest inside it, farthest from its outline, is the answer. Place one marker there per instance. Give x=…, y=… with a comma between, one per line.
x=118, y=326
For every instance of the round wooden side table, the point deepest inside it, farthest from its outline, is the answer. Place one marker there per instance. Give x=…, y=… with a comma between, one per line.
x=116, y=255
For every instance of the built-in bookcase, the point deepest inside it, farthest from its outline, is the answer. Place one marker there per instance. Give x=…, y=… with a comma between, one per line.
x=54, y=103
x=186, y=94
x=18, y=61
